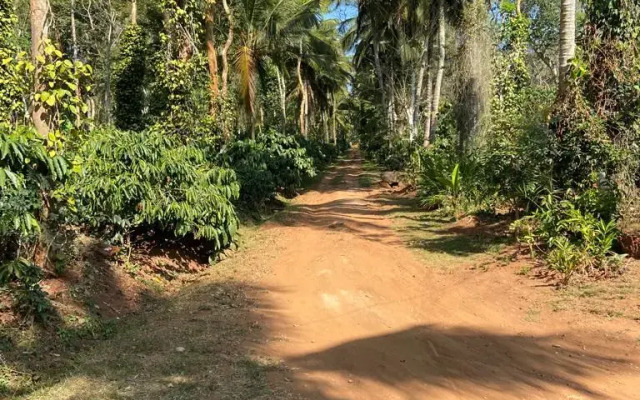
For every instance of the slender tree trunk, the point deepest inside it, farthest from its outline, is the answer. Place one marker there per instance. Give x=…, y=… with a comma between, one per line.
x=419, y=86
x=307, y=108
x=39, y=10
x=412, y=106
x=428, y=134
x=74, y=39
x=74, y=51
x=225, y=49
x=134, y=12
x=392, y=101
x=435, y=107
x=567, y=40
x=333, y=115
x=212, y=58
x=303, y=98
x=107, y=83
x=325, y=126
x=282, y=88
x=380, y=75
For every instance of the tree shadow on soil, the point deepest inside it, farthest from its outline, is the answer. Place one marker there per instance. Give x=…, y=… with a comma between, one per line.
x=428, y=358
x=192, y=346
x=201, y=345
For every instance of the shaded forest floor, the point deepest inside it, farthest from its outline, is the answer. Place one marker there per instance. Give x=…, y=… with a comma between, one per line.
x=352, y=292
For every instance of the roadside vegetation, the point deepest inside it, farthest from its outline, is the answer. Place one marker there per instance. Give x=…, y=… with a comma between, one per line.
x=139, y=137
x=515, y=111
x=136, y=135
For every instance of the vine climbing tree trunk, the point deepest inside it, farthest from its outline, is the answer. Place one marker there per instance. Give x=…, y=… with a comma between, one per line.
x=39, y=10
x=567, y=40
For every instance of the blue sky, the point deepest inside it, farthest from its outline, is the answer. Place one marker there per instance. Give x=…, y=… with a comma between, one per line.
x=342, y=11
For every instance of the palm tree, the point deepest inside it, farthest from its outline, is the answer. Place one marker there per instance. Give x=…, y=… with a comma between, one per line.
x=567, y=40
x=267, y=27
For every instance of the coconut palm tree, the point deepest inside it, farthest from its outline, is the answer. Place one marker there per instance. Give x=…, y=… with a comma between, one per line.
x=267, y=28
x=567, y=40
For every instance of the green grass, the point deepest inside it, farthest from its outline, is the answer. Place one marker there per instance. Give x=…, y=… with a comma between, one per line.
x=609, y=298
x=365, y=180
x=441, y=241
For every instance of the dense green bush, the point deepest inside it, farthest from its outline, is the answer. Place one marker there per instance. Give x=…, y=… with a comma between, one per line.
x=273, y=163
x=322, y=153
x=570, y=239
x=153, y=179
x=597, y=129
x=27, y=173
x=29, y=176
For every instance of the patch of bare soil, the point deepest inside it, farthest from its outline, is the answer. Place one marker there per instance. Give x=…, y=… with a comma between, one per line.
x=352, y=293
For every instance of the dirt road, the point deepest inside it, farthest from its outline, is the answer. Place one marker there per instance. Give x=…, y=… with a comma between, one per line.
x=329, y=302
x=354, y=315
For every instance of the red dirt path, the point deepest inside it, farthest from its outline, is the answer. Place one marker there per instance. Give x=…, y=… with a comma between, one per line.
x=353, y=314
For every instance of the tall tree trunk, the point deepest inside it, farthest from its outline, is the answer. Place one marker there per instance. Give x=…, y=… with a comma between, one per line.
x=567, y=40
x=393, y=117
x=307, y=108
x=107, y=83
x=435, y=107
x=282, y=90
x=412, y=106
x=380, y=75
x=333, y=115
x=74, y=51
x=134, y=12
x=419, y=86
x=39, y=10
x=212, y=58
x=303, y=97
x=225, y=49
x=325, y=126
x=74, y=38
x=428, y=134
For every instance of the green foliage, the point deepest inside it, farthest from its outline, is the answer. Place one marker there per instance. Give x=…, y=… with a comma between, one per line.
x=59, y=93
x=597, y=121
x=29, y=176
x=570, y=239
x=129, y=79
x=14, y=80
x=517, y=156
x=23, y=279
x=322, y=153
x=27, y=173
x=153, y=179
x=273, y=163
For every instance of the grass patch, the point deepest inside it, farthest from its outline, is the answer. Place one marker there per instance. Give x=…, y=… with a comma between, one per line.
x=370, y=166
x=365, y=180
x=609, y=298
